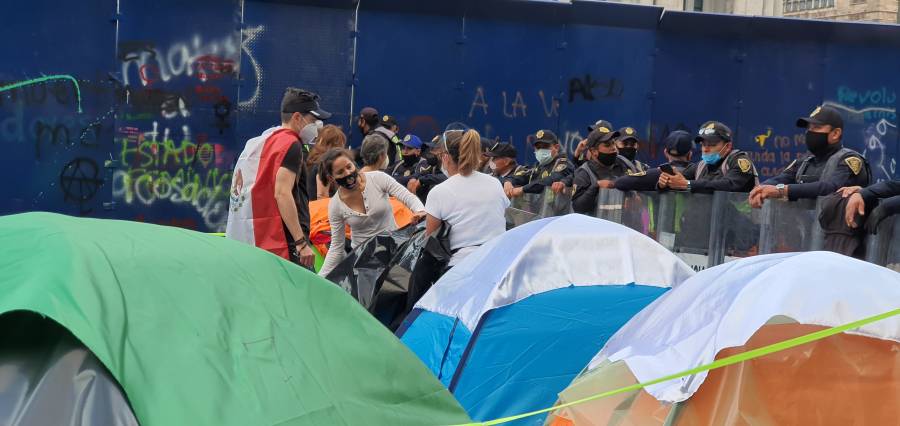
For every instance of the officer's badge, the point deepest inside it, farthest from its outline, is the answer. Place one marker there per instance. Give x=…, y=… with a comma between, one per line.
x=560, y=167
x=574, y=188
x=540, y=134
x=545, y=174
x=407, y=173
x=630, y=173
x=745, y=165
x=386, y=118
x=854, y=163
x=406, y=138
x=816, y=111
x=629, y=131
x=603, y=129
x=522, y=172
x=711, y=126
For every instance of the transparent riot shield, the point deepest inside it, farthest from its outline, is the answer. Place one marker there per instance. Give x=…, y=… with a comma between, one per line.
x=684, y=226
x=734, y=228
x=883, y=248
x=516, y=217
x=640, y=211
x=531, y=203
x=609, y=204
x=790, y=226
x=556, y=204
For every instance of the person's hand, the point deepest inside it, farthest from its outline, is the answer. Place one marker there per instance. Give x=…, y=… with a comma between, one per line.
x=663, y=181
x=855, y=206
x=558, y=187
x=848, y=191
x=606, y=184
x=413, y=185
x=677, y=181
x=579, y=149
x=307, y=258
x=515, y=192
x=507, y=188
x=417, y=217
x=761, y=193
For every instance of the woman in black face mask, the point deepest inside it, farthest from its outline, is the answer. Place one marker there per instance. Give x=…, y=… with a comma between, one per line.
x=362, y=202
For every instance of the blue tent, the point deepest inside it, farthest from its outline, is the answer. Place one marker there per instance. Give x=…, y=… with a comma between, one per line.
x=510, y=326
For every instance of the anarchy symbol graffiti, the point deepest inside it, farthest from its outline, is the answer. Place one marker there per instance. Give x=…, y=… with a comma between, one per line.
x=80, y=180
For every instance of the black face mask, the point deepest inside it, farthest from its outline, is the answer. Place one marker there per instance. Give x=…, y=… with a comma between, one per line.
x=432, y=159
x=816, y=143
x=362, y=130
x=409, y=160
x=606, y=159
x=350, y=181
x=628, y=152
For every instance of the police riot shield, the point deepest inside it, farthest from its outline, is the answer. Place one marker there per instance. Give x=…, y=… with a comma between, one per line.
x=531, y=203
x=556, y=203
x=790, y=226
x=883, y=248
x=734, y=228
x=609, y=204
x=684, y=225
x=516, y=217
x=640, y=211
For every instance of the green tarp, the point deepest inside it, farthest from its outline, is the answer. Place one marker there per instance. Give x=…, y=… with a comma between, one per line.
x=203, y=330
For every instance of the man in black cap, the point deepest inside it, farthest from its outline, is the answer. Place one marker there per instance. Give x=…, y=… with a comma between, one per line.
x=578, y=155
x=503, y=163
x=722, y=168
x=552, y=169
x=412, y=160
x=827, y=167
x=678, y=152
x=275, y=163
x=429, y=174
x=628, y=144
x=370, y=123
x=601, y=167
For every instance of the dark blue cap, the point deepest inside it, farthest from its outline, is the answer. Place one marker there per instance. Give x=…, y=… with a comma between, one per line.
x=412, y=141
x=679, y=143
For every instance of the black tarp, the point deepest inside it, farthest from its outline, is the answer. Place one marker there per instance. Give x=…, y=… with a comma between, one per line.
x=377, y=272
x=47, y=377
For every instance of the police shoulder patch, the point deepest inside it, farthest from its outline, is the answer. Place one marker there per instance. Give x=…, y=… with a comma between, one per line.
x=855, y=164
x=745, y=165
x=407, y=173
x=521, y=171
x=561, y=166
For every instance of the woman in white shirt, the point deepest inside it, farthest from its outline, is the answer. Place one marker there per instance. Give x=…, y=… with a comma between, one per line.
x=362, y=202
x=471, y=202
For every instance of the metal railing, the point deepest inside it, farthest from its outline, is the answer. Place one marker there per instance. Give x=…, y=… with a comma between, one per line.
x=707, y=230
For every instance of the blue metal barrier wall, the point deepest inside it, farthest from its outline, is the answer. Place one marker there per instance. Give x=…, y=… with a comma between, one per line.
x=170, y=91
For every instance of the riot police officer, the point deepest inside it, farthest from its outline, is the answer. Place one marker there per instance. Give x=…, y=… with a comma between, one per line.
x=578, y=155
x=628, y=144
x=552, y=168
x=411, y=162
x=429, y=175
x=827, y=167
x=678, y=152
x=722, y=168
x=602, y=166
x=502, y=162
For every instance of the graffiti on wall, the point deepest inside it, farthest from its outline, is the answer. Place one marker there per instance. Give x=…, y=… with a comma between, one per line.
x=871, y=126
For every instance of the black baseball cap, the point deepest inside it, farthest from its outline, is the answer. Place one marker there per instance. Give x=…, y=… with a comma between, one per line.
x=713, y=131
x=388, y=120
x=679, y=142
x=545, y=136
x=368, y=113
x=303, y=101
x=501, y=150
x=600, y=123
x=601, y=135
x=626, y=133
x=823, y=115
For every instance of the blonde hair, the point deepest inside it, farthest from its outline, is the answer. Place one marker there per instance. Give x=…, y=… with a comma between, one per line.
x=465, y=150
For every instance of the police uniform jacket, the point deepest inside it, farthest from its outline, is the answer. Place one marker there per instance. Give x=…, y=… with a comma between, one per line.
x=585, y=188
x=736, y=173
x=535, y=179
x=811, y=176
x=647, y=181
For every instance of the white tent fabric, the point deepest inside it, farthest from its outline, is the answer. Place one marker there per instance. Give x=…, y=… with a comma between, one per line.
x=547, y=254
x=724, y=306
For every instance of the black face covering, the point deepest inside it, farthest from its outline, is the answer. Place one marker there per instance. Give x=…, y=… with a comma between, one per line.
x=606, y=159
x=816, y=143
x=432, y=159
x=628, y=152
x=362, y=130
x=350, y=181
x=409, y=160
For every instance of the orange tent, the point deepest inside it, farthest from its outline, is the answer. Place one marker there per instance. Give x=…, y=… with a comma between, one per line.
x=320, y=229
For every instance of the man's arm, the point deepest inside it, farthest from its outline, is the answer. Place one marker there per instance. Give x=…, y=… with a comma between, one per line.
x=886, y=189
x=733, y=181
x=559, y=174
x=584, y=200
x=843, y=176
x=285, y=180
x=787, y=176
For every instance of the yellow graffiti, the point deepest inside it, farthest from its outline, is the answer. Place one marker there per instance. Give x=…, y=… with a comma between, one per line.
x=761, y=139
x=165, y=154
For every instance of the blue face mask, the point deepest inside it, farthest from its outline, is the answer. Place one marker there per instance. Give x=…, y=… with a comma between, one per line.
x=712, y=158
x=543, y=156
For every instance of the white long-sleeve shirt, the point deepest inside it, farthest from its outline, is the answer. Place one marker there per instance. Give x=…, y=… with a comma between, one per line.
x=379, y=216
